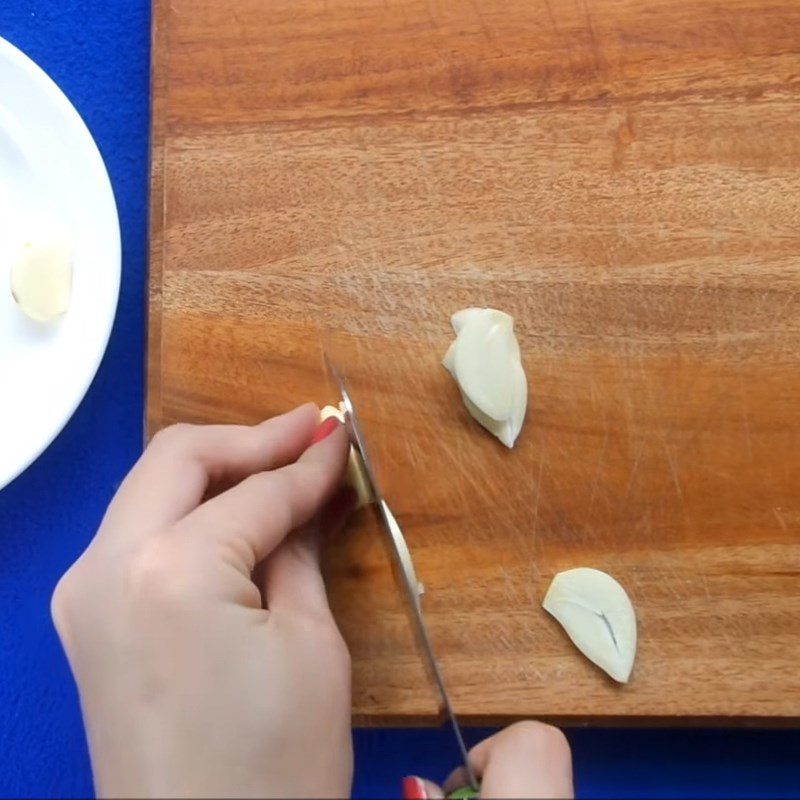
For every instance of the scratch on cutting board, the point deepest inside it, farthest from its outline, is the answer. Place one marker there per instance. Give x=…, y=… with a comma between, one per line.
x=431, y=17
x=749, y=441
x=508, y=594
x=481, y=21
x=673, y=580
x=598, y=61
x=745, y=419
x=647, y=524
x=592, y=393
x=550, y=15
x=538, y=495
x=779, y=517
x=323, y=365
x=598, y=471
x=634, y=470
x=673, y=468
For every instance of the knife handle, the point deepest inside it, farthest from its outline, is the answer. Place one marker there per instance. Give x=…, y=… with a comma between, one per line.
x=465, y=793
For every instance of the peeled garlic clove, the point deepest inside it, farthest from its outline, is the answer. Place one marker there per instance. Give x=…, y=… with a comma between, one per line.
x=467, y=315
x=356, y=476
x=41, y=279
x=331, y=411
x=448, y=362
x=483, y=362
x=495, y=427
x=598, y=616
x=460, y=318
x=503, y=429
x=519, y=404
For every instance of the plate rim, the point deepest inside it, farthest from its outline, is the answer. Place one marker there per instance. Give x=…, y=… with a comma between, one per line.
x=67, y=110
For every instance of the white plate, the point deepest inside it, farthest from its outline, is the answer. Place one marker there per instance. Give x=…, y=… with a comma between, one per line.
x=50, y=168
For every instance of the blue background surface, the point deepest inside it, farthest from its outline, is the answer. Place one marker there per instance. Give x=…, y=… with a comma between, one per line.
x=98, y=52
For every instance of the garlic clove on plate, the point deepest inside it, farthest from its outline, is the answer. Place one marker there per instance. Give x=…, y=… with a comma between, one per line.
x=41, y=279
x=598, y=616
x=356, y=476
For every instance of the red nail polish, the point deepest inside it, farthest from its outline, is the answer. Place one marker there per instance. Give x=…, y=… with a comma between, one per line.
x=413, y=789
x=325, y=429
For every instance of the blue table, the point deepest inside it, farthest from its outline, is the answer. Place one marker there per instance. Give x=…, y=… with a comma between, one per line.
x=98, y=53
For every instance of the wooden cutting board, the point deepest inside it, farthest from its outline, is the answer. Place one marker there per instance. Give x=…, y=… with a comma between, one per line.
x=623, y=178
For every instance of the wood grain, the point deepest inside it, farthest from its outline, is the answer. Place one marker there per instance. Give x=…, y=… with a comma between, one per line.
x=624, y=178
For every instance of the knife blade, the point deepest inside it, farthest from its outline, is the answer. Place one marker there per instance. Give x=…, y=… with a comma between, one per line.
x=404, y=569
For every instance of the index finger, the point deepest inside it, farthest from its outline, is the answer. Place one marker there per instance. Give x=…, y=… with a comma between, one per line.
x=248, y=521
x=182, y=462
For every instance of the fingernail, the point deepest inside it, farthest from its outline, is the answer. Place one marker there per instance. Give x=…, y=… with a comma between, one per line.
x=413, y=789
x=325, y=429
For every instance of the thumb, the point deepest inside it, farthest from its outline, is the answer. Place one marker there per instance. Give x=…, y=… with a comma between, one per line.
x=252, y=519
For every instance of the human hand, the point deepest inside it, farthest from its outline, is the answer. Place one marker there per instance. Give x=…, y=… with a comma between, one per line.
x=198, y=630
x=528, y=759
